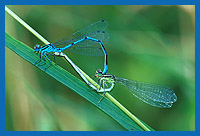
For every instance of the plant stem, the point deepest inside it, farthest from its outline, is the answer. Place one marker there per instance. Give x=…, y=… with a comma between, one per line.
x=26, y=25
x=134, y=118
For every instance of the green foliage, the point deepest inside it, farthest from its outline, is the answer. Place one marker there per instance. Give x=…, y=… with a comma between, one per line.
x=147, y=43
x=73, y=83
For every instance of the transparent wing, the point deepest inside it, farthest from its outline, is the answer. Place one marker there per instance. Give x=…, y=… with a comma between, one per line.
x=87, y=51
x=95, y=30
x=153, y=94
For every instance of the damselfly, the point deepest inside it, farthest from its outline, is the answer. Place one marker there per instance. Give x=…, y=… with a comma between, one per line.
x=84, y=42
x=84, y=76
x=153, y=94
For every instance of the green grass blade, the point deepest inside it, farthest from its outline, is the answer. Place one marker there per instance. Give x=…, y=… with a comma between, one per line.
x=73, y=83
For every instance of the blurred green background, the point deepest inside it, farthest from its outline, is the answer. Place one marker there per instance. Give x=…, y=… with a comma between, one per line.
x=147, y=43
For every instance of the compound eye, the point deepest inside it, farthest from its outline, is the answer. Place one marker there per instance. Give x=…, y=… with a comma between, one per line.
x=37, y=46
x=99, y=71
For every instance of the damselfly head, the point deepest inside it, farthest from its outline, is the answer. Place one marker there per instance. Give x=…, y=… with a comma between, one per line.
x=37, y=47
x=98, y=73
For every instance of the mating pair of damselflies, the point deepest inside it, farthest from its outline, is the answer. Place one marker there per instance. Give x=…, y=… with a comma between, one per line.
x=86, y=42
